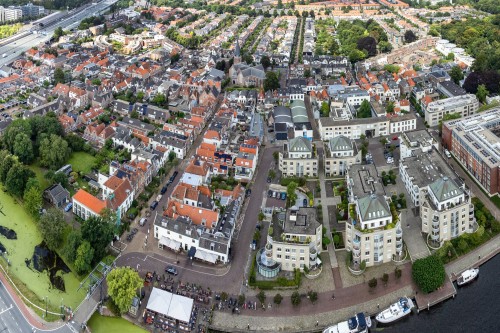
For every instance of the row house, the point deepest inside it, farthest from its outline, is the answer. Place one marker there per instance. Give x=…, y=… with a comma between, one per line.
x=139, y=129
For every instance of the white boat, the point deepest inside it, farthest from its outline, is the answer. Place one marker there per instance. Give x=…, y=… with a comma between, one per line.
x=357, y=324
x=396, y=311
x=467, y=276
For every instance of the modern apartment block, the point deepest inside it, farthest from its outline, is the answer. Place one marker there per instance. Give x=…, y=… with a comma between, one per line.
x=294, y=240
x=465, y=105
x=298, y=158
x=340, y=153
x=373, y=231
x=413, y=141
x=446, y=211
x=474, y=142
x=370, y=127
x=10, y=14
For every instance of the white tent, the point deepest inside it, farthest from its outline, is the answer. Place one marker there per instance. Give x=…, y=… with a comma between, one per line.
x=173, y=306
x=205, y=256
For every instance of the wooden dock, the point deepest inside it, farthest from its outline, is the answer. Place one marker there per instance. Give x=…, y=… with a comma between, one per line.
x=425, y=301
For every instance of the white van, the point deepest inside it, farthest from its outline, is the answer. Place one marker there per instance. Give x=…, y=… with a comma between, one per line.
x=143, y=221
x=447, y=153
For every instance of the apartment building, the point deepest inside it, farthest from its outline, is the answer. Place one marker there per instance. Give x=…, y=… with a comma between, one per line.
x=298, y=158
x=340, y=153
x=412, y=141
x=446, y=211
x=294, y=240
x=373, y=231
x=474, y=142
x=465, y=105
x=10, y=14
x=370, y=127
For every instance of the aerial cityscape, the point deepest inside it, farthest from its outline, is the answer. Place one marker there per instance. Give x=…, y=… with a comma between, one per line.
x=199, y=166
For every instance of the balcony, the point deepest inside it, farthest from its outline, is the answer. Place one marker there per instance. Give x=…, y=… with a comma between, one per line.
x=435, y=236
x=356, y=248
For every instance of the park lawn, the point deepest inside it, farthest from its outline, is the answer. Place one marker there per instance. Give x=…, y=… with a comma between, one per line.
x=81, y=161
x=39, y=172
x=100, y=324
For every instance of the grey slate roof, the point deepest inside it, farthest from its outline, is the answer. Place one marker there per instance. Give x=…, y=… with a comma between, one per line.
x=445, y=189
x=340, y=143
x=373, y=207
x=299, y=144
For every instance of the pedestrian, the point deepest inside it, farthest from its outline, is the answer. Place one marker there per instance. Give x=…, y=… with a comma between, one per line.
x=248, y=326
x=317, y=323
x=333, y=296
x=479, y=257
x=378, y=306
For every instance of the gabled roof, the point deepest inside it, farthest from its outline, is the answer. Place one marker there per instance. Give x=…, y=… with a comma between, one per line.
x=340, y=143
x=299, y=144
x=88, y=200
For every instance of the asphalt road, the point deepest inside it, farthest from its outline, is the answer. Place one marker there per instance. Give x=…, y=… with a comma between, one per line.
x=12, y=319
x=207, y=276
x=14, y=49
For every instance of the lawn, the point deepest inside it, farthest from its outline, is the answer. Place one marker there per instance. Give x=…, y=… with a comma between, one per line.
x=81, y=161
x=39, y=175
x=100, y=324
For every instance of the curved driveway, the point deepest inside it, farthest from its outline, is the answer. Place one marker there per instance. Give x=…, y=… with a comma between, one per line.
x=229, y=280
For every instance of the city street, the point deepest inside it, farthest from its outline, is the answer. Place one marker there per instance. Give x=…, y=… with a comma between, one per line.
x=229, y=280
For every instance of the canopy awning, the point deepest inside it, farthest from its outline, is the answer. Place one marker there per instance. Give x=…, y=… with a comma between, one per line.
x=318, y=261
x=206, y=256
x=173, y=306
x=170, y=243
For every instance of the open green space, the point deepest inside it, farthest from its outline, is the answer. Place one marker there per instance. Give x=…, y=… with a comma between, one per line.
x=81, y=161
x=100, y=324
x=36, y=284
x=39, y=172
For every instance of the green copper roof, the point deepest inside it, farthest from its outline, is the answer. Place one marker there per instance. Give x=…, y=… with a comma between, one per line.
x=445, y=189
x=373, y=207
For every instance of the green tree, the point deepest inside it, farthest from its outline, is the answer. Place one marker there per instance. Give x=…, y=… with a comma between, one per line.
x=372, y=283
x=265, y=62
x=58, y=32
x=277, y=299
x=17, y=178
x=84, y=256
x=171, y=156
x=295, y=298
x=52, y=227
x=389, y=108
x=54, y=152
x=159, y=100
x=482, y=93
x=16, y=127
x=261, y=296
x=33, y=200
x=410, y=36
x=72, y=243
x=313, y=296
x=276, y=156
x=385, y=278
x=7, y=161
x=99, y=234
x=325, y=109
x=365, y=110
x=23, y=148
x=456, y=74
x=271, y=82
x=428, y=273
x=291, y=196
x=59, y=76
x=123, y=283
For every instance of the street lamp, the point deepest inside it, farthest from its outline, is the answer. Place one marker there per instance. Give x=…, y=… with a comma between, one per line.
x=61, y=307
x=46, y=306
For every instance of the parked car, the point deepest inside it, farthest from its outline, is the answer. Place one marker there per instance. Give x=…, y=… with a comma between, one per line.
x=143, y=221
x=283, y=196
x=164, y=189
x=171, y=270
x=175, y=174
x=68, y=207
x=270, y=193
x=304, y=202
x=154, y=205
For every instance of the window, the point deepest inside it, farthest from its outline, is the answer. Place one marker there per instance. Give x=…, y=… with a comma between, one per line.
x=301, y=250
x=294, y=250
x=367, y=253
x=389, y=241
x=367, y=238
x=302, y=258
x=287, y=250
x=287, y=257
x=278, y=249
x=278, y=256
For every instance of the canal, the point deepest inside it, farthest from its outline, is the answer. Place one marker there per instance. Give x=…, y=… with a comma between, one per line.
x=476, y=308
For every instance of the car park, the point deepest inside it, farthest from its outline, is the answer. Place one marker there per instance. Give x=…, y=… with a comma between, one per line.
x=171, y=270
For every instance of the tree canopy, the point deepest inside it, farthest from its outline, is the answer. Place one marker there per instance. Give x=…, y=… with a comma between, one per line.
x=456, y=74
x=54, y=152
x=365, y=110
x=428, y=273
x=99, y=233
x=410, y=36
x=123, y=284
x=271, y=82
x=52, y=227
x=84, y=256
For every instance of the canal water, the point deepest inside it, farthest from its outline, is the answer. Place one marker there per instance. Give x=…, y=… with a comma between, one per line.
x=475, y=308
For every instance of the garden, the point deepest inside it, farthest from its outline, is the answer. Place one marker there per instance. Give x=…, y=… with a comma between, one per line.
x=101, y=324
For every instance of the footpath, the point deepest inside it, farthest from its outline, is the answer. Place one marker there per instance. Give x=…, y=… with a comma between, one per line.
x=308, y=317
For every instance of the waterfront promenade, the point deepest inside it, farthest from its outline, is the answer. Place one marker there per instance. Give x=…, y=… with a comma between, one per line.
x=349, y=300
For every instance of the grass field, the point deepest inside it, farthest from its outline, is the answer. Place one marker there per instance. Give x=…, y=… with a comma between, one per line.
x=39, y=175
x=81, y=161
x=100, y=324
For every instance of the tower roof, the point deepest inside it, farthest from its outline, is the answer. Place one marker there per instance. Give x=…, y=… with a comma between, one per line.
x=237, y=50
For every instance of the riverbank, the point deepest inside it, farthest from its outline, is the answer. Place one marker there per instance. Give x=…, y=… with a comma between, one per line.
x=308, y=317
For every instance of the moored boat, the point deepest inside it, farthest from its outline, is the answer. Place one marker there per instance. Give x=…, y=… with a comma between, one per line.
x=467, y=276
x=357, y=324
x=396, y=311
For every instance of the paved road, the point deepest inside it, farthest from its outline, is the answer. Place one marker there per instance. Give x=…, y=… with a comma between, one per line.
x=14, y=49
x=15, y=318
x=209, y=276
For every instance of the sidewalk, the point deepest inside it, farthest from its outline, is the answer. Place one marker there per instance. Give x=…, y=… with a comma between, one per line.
x=29, y=314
